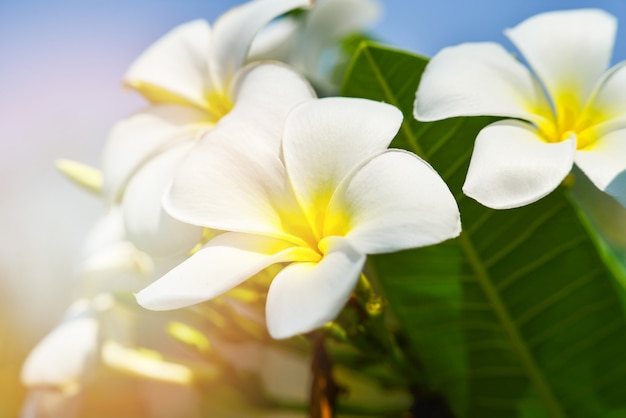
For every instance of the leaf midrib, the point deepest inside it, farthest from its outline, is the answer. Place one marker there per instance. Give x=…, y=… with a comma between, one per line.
x=523, y=352
x=392, y=99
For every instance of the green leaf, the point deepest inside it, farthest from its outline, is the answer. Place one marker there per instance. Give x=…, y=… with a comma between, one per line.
x=520, y=315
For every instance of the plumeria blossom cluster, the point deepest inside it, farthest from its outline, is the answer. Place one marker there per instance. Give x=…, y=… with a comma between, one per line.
x=244, y=180
x=227, y=148
x=110, y=264
x=239, y=148
x=320, y=197
x=194, y=77
x=567, y=108
x=70, y=356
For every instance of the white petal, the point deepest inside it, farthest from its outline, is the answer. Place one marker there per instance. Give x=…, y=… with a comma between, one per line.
x=478, y=79
x=230, y=186
x=265, y=94
x=107, y=231
x=234, y=31
x=325, y=139
x=136, y=139
x=607, y=101
x=234, y=179
x=305, y=296
x=110, y=262
x=222, y=264
x=276, y=41
x=605, y=164
x=331, y=20
x=173, y=69
x=147, y=224
x=511, y=166
x=569, y=50
x=604, y=212
x=61, y=358
x=395, y=201
x=119, y=268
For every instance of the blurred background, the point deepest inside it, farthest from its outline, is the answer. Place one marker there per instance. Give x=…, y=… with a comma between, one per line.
x=61, y=62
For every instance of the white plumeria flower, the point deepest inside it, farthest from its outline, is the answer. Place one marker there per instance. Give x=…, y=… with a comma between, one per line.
x=195, y=79
x=568, y=109
x=63, y=359
x=321, y=199
x=310, y=43
x=60, y=360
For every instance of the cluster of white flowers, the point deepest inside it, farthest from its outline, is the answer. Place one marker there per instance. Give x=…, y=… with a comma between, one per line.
x=236, y=165
x=236, y=146
x=568, y=109
x=279, y=176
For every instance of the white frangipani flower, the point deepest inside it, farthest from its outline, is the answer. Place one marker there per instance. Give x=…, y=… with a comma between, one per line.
x=195, y=78
x=62, y=359
x=321, y=199
x=310, y=43
x=568, y=109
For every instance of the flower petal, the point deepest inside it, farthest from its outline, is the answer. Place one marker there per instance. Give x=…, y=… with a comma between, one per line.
x=136, y=139
x=226, y=261
x=234, y=179
x=604, y=163
x=173, y=69
x=310, y=42
x=119, y=268
x=234, y=31
x=394, y=201
x=329, y=21
x=305, y=296
x=607, y=103
x=229, y=186
x=604, y=212
x=265, y=94
x=324, y=139
x=478, y=79
x=110, y=263
x=108, y=231
x=276, y=41
x=147, y=224
x=61, y=357
x=511, y=166
x=569, y=50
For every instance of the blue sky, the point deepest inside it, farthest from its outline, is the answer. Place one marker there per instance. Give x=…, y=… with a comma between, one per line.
x=60, y=69
x=427, y=26
x=36, y=35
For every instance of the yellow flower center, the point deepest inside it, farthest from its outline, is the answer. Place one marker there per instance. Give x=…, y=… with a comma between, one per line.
x=215, y=106
x=310, y=228
x=572, y=118
x=218, y=106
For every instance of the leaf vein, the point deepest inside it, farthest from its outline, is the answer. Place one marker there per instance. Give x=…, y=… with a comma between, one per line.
x=539, y=262
x=523, y=351
x=559, y=295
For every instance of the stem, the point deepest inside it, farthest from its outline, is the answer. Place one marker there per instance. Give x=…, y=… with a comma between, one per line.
x=324, y=390
x=363, y=324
